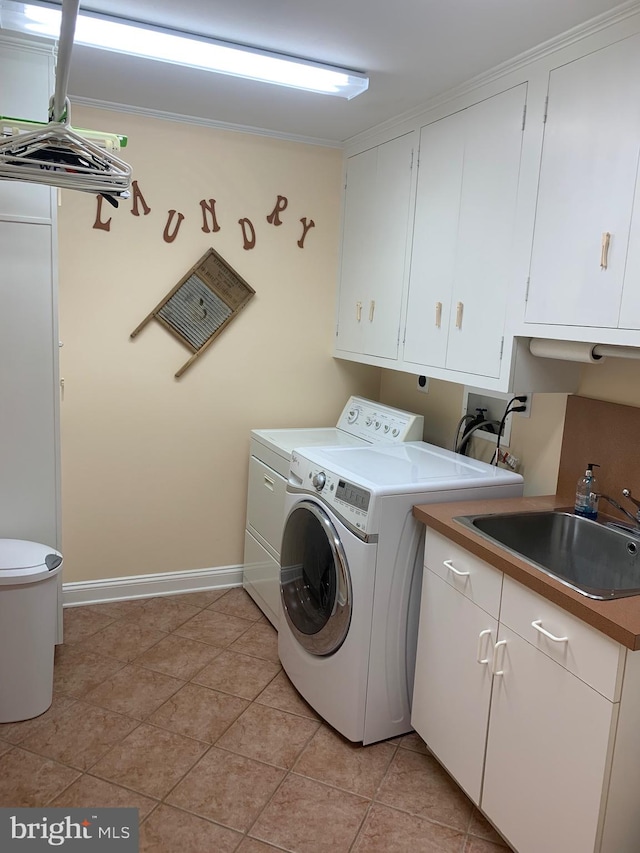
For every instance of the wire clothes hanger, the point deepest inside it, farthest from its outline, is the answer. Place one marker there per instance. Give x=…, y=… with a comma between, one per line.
x=54, y=153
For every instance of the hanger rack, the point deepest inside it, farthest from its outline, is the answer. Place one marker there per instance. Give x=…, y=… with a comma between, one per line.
x=56, y=154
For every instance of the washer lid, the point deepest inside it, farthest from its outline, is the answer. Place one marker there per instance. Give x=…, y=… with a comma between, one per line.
x=27, y=561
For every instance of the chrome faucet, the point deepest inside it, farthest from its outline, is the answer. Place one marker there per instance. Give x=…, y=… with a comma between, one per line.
x=634, y=518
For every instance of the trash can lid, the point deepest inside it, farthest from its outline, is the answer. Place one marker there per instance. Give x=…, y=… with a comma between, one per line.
x=24, y=561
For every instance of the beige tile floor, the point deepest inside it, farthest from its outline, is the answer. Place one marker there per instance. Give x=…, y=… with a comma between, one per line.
x=178, y=706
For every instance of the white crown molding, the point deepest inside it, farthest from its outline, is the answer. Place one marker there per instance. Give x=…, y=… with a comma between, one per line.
x=201, y=122
x=582, y=31
x=37, y=45
x=145, y=586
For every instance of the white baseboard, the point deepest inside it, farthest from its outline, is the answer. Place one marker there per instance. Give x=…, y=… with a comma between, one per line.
x=145, y=586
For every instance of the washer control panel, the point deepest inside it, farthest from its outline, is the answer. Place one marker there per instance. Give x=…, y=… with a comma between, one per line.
x=348, y=500
x=378, y=424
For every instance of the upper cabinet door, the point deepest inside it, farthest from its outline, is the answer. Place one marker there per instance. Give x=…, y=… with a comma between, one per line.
x=357, y=248
x=463, y=234
x=493, y=146
x=435, y=239
x=374, y=249
x=586, y=191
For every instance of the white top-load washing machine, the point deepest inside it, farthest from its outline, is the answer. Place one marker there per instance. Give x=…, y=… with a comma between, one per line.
x=361, y=423
x=351, y=574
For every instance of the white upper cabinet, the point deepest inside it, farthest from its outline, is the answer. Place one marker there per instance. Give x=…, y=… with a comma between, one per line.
x=374, y=249
x=584, y=270
x=461, y=260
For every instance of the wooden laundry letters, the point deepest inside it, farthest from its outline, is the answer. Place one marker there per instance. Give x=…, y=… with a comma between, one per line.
x=250, y=237
x=274, y=216
x=209, y=218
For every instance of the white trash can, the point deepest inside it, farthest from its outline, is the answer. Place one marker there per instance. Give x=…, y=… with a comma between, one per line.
x=28, y=621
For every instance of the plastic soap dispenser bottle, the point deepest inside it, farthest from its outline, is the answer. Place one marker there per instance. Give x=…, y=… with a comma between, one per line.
x=587, y=494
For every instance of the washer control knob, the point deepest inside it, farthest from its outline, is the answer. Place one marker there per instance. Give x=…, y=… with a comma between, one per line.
x=319, y=480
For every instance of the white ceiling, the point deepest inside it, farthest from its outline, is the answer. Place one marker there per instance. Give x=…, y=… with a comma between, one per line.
x=411, y=49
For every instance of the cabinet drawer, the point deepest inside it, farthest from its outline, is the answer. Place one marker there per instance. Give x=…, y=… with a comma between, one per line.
x=474, y=578
x=590, y=655
x=265, y=502
x=261, y=578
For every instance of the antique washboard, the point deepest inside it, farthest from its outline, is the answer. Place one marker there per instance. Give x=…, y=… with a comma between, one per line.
x=201, y=305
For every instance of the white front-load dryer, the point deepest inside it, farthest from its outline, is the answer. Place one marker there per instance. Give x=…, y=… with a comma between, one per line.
x=351, y=573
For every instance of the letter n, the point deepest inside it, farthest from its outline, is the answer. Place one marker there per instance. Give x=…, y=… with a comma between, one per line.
x=209, y=207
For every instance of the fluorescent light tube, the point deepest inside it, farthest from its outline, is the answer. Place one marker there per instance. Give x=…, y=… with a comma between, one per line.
x=135, y=39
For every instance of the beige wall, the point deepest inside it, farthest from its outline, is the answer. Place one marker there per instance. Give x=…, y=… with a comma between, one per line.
x=536, y=440
x=153, y=468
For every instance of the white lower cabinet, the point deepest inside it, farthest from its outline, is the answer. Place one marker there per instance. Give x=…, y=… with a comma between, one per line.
x=452, y=690
x=533, y=712
x=547, y=752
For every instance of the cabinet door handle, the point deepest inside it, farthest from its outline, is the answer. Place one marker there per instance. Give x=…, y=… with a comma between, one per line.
x=459, y=310
x=372, y=308
x=481, y=636
x=269, y=483
x=496, y=650
x=604, y=250
x=453, y=569
x=358, y=311
x=551, y=636
x=438, y=314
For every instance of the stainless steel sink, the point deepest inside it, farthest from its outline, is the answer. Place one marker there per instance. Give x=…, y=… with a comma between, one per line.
x=592, y=558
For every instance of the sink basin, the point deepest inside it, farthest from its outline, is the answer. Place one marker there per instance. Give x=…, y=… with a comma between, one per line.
x=594, y=559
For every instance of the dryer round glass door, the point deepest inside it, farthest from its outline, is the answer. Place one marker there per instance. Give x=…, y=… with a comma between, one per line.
x=314, y=580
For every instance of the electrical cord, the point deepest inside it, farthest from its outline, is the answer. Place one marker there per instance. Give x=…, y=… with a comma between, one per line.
x=508, y=410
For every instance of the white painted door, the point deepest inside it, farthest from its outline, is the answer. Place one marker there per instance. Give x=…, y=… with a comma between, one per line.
x=485, y=233
x=630, y=306
x=390, y=234
x=374, y=249
x=28, y=384
x=357, y=249
x=435, y=241
x=548, y=743
x=587, y=184
x=452, y=687
x=462, y=242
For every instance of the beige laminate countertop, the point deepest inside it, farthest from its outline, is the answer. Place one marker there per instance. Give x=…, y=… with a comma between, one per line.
x=618, y=618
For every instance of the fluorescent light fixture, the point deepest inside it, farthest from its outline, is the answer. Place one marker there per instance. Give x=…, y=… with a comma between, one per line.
x=136, y=39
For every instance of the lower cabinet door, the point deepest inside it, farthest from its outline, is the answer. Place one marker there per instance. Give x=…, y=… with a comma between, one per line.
x=549, y=744
x=452, y=688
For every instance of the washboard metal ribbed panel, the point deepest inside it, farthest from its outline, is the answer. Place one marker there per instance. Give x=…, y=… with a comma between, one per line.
x=201, y=305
